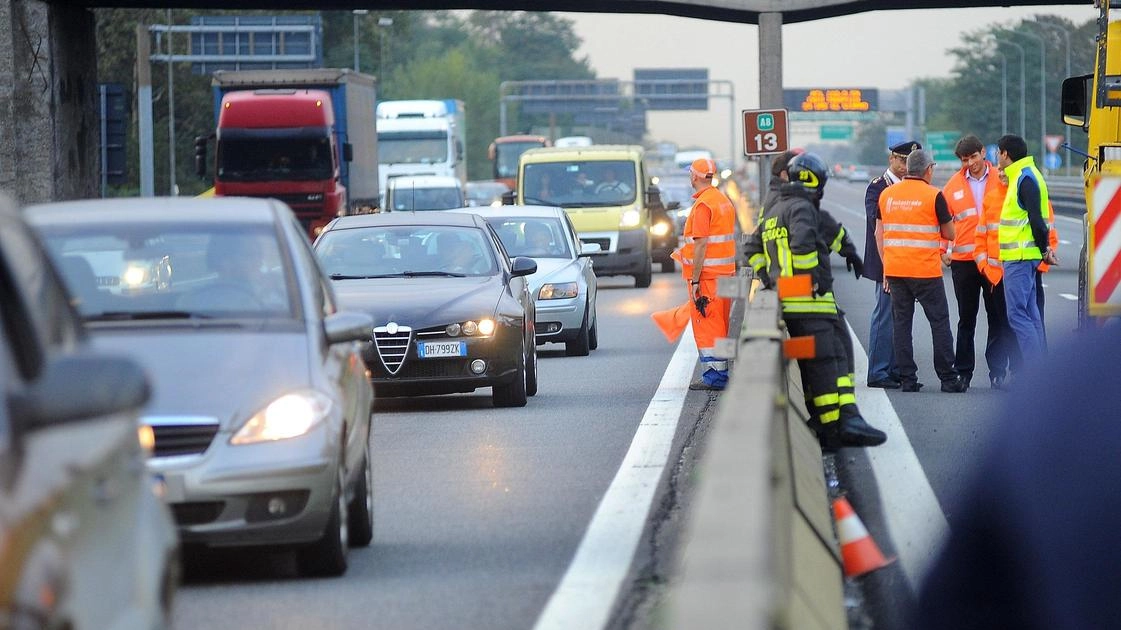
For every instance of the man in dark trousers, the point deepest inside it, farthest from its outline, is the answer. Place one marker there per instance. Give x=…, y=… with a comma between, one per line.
x=882, y=370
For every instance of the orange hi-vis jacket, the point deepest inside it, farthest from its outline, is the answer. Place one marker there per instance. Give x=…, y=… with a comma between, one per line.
x=988, y=240
x=713, y=216
x=912, y=237
x=966, y=211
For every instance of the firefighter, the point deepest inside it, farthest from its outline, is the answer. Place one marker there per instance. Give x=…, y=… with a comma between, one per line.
x=790, y=242
x=709, y=253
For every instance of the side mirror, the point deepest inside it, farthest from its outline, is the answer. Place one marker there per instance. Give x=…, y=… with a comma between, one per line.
x=509, y=197
x=200, y=155
x=523, y=266
x=348, y=152
x=79, y=387
x=1074, y=101
x=347, y=326
x=589, y=249
x=458, y=150
x=492, y=151
x=653, y=196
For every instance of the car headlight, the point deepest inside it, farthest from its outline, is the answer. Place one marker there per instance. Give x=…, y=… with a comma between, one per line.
x=289, y=416
x=470, y=328
x=558, y=290
x=659, y=229
x=631, y=218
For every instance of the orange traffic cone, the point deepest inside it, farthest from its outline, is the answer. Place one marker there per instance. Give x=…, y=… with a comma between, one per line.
x=673, y=321
x=858, y=551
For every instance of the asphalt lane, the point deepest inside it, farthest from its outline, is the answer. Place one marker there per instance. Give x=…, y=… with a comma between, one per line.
x=478, y=510
x=948, y=432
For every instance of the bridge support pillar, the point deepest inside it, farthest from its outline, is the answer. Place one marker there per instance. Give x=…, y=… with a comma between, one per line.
x=48, y=101
x=770, y=81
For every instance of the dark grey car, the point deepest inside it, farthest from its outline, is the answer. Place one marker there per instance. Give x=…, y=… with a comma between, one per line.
x=261, y=405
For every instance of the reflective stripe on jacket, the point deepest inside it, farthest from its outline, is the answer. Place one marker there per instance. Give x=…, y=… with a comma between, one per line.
x=988, y=230
x=793, y=245
x=1016, y=239
x=720, y=251
x=912, y=237
x=966, y=210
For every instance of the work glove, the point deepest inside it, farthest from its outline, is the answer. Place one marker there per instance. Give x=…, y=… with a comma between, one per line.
x=854, y=264
x=822, y=283
x=764, y=278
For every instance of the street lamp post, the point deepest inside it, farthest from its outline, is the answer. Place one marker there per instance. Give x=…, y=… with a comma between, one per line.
x=384, y=23
x=1003, y=93
x=356, y=13
x=1023, y=91
x=1042, y=95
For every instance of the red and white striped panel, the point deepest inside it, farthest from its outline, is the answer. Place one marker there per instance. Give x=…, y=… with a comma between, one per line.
x=1105, y=262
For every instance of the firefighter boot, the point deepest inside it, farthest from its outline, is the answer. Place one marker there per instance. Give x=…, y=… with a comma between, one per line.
x=854, y=431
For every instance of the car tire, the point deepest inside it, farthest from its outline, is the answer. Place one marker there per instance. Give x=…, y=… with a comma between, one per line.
x=579, y=346
x=531, y=368
x=642, y=279
x=362, y=508
x=327, y=556
x=593, y=332
x=512, y=394
x=668, y=266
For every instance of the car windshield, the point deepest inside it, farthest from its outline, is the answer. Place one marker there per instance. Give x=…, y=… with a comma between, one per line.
x=585, y=184
x=387, y=251
x=507, y=154
x=407, y=198
x=125, y=271
x=412, y=147
x=266, y=159
x=532, y=236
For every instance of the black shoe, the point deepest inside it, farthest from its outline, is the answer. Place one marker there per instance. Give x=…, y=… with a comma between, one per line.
x=701, y=385
x=996, y=382
x=955, y=386
x=856, y=432
x=885, y=383
x=913, y=386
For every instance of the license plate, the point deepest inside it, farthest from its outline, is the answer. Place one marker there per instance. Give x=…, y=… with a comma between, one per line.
x=438, y=349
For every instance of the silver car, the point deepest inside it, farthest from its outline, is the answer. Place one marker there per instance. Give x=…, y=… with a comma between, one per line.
x=564, y=287
x=84, y=540
x=261, y=405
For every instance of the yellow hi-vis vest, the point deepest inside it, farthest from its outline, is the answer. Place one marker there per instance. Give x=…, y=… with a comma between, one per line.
x=1015, y=237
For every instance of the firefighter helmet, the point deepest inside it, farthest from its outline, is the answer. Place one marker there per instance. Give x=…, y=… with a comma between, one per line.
x=809, y=171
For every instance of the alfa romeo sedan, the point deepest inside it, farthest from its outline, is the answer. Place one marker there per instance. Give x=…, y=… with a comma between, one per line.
x=452, y=312
x=261, y=407
x=564, y=286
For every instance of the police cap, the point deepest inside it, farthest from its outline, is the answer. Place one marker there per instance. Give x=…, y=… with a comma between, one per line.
x=905, y=148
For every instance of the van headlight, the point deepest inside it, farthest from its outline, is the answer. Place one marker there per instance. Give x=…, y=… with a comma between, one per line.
x=289, y=416
x=631, y=218
x=558, y=290
x=660, y=229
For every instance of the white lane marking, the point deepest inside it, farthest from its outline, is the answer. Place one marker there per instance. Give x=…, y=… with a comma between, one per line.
x=1067, y=296
x=830, y=205
x=1063, y=241
x=1075, y=220
x=586, y=594
x=911, y=512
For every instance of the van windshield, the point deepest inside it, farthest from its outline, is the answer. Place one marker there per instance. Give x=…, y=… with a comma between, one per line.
x=412, y=147
x=581, y=183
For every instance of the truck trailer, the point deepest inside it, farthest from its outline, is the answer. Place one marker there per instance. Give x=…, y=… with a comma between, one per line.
x=421, y=137
x=306, y=137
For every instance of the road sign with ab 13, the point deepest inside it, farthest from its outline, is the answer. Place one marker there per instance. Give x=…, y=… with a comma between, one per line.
x=765, y=131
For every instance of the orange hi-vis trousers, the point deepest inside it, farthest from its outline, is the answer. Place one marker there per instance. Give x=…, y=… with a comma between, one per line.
x=707, y=329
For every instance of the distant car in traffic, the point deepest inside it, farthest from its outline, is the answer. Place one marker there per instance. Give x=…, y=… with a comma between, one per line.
x=452, y=312
x=564, y=286
x=261, y=407
x=485, y=193
x=859, y=174
x=424, y=192
x=84, y=540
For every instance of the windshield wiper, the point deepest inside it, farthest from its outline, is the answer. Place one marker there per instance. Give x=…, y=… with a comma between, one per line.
x=343, y=276
x=446, y=274
x=111, y=316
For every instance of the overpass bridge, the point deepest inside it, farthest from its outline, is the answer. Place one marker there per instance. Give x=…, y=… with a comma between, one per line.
x=48, y=69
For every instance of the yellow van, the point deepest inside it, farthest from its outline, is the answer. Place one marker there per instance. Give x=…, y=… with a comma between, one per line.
x=604, y=190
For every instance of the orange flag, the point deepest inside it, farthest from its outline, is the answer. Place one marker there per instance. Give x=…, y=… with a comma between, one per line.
x=672, y=322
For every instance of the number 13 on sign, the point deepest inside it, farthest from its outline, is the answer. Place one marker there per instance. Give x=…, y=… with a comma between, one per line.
x=764, y=131
x=766, y=142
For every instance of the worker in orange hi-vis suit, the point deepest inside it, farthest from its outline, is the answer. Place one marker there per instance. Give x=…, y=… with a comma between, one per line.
x=709, y=253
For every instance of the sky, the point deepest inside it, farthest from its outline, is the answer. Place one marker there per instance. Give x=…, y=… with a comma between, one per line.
x=835, y=52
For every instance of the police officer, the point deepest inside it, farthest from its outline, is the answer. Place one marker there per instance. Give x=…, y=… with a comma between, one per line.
x=882, y=371
x=913, y=215
x=789, y=243
x=709, y=253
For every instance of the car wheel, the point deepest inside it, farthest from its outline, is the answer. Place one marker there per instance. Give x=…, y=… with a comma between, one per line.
x=327, y=556
x=513, y=394
x=668, y=266
x=531, y=369
x=580, y=346
x=362, y=508
x=642, y=278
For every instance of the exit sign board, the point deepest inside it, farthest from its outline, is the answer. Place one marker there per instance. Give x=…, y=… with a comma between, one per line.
x=765, y=131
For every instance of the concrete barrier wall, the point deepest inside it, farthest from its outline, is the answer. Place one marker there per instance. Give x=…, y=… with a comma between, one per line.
x=758, y=551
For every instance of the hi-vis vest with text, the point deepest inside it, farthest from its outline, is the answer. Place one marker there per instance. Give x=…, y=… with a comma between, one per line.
x=912, y=237
x=720, y=252
x=966, y=211
x=1016, y=240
